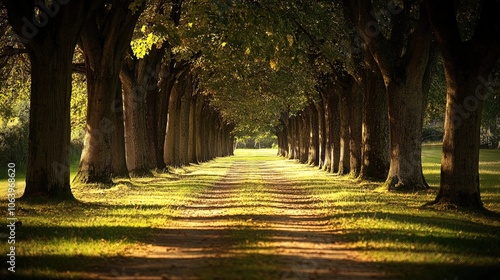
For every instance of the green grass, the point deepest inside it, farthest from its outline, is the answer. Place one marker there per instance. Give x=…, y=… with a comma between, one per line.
x=103, y=222
x=396, y=231
x=391, y=229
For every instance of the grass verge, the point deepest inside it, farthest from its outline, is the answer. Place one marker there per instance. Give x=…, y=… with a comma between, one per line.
x=394, y=230
x=63, y=240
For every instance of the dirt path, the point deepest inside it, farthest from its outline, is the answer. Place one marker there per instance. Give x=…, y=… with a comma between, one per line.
x=253, y=224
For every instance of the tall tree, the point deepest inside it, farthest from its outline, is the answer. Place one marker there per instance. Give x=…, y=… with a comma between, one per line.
x=404, y=55
x=49, y=31
x=469, y=58
x=104, y=40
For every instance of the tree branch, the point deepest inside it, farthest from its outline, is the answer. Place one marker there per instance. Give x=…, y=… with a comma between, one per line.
x=79, y=68
x=377, y=43
x=8, y=52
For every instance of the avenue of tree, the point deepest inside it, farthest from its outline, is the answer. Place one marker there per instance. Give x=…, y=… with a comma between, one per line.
x=345, y=85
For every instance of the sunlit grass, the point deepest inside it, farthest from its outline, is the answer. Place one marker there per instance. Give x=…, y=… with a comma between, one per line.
x=391, y=229
x=103, y=223
x=396, y=231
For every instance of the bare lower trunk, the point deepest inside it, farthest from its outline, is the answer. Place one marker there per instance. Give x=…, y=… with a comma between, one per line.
x=321, y=134
x=375, y=163
x=405, y=112
x=313, y=136
x=184, y=110
x=199, y=122
x=119, y=164
x=134, y=97
x=304, y=136
x=355, y=130
x=104, y=50
x=192, y=128
x=49, y=128
x=172, y=128
x=459, y=185
x=335, y=133
x=344, y=159
x=50, y=49
x=328, y=114
x=95, y=163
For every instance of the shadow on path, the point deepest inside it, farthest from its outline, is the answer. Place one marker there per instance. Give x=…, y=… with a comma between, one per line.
x=253, y=224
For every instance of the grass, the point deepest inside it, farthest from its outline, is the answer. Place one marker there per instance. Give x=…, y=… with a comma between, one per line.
x=103, y=222
x=397, y=232
x=391, y=229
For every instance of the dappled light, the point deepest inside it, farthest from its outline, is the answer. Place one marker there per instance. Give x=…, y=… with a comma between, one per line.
x=256, y=216
x=257, y=139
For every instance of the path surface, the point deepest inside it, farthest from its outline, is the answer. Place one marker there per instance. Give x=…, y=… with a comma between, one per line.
x=253, y=224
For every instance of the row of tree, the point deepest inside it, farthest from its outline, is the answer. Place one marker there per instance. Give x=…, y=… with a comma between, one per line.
x=368, y=119
x=344, y=84
x=144, y=111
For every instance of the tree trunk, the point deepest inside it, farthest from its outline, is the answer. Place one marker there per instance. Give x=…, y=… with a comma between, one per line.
x=355, y=130
x=344, y=158
x=376, y=141
x=104, y=40
x=321, y=134
x=49, y=128
x=172, y=128
x=336, y=127
x=199, y=123
x=403, y=66
x=313, y=135
x=48, y=172
x=156, y=103
x=466, y=66
x=192, y=129
x=328, y=114
x=135, y=84
x=459, y=185
x=119, y=158
x=292, y=141
x=405, y=119
x=304, y=136
x=184, y=113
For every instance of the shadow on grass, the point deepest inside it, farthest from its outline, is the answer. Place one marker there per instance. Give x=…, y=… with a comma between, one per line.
x=217, y=254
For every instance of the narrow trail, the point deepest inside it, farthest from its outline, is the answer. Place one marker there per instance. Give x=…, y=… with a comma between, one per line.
x=252, y=224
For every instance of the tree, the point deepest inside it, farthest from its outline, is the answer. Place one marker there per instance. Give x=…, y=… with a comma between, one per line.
x=405, y=56
x=104, y=40
x=49, y=33
x=468, y=58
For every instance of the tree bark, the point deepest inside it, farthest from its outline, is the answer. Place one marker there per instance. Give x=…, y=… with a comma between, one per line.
x=328, y=114
x=292, y=142
x=104, y=41
x=376, y=141
x=184, y=113
x=192, y=129
x=468, y=81
x=134, y=78
x=170, y=149
x=405, y=171
x=50, y=46
x=403, y=63
x=119, y=158
x=49, y=128
x=313, y=157
x=156, y=112
x=355, y=130
x=321, y=133
x=344, y=158
x=335, y=133
x=304, y=136
x=199, y=124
